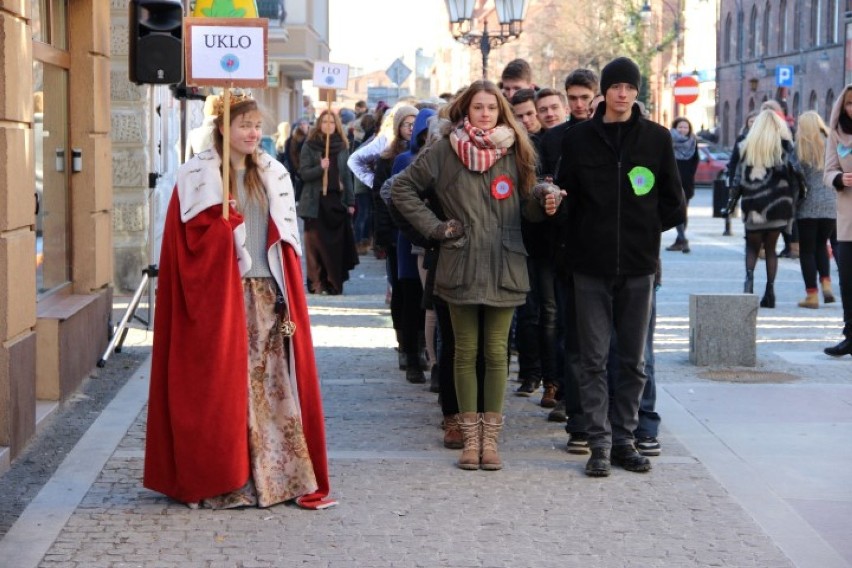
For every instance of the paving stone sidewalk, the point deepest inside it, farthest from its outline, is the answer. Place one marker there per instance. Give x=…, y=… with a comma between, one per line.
x=403, y=503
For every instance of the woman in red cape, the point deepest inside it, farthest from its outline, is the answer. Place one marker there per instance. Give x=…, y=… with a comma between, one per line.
x=235, y=413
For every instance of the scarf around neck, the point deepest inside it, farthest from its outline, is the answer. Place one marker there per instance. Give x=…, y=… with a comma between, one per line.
x=684, y=146
x=480, y=149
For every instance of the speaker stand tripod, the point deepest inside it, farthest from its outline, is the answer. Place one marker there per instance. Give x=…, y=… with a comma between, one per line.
x=120, y=332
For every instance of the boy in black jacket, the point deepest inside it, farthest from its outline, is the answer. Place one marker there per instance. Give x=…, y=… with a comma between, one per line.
x=623, y=190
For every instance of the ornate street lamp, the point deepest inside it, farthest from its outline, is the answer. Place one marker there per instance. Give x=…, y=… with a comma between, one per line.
x=510, y=15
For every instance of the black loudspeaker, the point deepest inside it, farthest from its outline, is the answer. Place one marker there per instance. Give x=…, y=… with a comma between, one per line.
x=156, y=41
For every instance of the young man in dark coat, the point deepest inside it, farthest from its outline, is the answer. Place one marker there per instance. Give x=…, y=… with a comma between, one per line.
x=623, y=190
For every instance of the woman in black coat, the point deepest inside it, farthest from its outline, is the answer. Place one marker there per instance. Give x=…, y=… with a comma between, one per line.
x=686, y=153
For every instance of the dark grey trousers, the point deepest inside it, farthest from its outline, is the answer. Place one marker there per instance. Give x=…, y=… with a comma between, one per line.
x=606, y=304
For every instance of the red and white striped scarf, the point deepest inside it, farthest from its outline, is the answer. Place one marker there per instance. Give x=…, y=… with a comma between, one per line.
x=480, y=149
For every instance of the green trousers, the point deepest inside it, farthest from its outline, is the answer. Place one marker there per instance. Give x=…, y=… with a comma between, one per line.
x=496, y=323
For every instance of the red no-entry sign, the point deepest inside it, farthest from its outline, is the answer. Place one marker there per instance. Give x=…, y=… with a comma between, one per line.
x=686, y=90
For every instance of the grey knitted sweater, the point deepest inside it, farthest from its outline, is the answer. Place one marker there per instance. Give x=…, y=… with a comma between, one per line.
x=821, y=200
x=256, y=218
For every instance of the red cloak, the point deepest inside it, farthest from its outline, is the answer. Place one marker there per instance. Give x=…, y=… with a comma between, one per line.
x=197, y=440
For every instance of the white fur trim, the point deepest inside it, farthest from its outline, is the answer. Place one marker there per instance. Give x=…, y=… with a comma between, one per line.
x=200, y=187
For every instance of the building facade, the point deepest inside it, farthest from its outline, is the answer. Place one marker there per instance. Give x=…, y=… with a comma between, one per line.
x=56, y=213
x=788, y=50
x=87, y=163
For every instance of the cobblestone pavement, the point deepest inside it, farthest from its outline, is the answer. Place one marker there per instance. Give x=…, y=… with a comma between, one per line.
x=403, y=503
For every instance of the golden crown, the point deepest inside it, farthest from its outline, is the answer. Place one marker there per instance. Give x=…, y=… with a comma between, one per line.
x=236, y=98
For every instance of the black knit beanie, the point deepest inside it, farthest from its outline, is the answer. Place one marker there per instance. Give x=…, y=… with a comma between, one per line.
x=620, y=70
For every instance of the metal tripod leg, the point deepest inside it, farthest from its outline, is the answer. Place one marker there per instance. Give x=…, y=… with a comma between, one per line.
x=120, y=332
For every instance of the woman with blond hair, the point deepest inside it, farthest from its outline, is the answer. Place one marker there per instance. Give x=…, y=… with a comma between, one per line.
x=816, y=212
x=767, y=181
x=482, y=169
x=326, y=204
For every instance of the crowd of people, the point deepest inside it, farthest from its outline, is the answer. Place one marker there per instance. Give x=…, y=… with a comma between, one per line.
x=510, y=218
x=485, y=255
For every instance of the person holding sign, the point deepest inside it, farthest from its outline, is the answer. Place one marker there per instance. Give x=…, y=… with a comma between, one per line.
x=235, y=416
x=329, y=241
x=481, y=170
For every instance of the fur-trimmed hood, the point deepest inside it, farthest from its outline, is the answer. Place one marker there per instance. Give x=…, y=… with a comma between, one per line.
x=834, y=119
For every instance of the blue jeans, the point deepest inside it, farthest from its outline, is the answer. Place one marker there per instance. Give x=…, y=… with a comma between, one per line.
x=571, y=360
x=619, y=304
x=364, y=216
x=536, y=330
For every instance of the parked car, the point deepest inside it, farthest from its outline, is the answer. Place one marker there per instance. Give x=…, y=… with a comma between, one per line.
x=712, y=164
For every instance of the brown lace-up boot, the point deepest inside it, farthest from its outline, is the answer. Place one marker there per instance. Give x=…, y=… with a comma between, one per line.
x=452, y=433
x=492, y=423
x=469, y=425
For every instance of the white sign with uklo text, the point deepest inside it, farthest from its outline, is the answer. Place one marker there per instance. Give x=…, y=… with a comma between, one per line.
x=228, y=53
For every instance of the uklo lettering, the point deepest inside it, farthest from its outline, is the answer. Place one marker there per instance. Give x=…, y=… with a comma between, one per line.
x=227, y=41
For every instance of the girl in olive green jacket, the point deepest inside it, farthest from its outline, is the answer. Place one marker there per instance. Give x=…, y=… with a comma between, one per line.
x=481, y=170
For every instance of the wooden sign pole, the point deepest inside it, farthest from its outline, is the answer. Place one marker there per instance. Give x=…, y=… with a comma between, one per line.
x=327, y=138
x=226, y=152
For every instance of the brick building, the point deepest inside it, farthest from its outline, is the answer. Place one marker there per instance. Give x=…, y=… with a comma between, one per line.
x=757, y=37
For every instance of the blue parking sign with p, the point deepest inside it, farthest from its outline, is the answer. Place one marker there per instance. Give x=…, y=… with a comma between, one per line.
x=784, y=76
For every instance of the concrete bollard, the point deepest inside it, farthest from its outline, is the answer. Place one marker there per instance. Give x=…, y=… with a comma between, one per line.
x=723, y=329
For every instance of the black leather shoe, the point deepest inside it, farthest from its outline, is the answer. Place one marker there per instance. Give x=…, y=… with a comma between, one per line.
x=627, y=457
x=414, y=375
x=841, y=349
x=598, y=464
x=768, y=300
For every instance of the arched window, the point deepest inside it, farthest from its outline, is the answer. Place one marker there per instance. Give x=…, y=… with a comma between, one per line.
x=750, y=104
x=764, y=99
x=738, y=114
x=829, y=103
x=797, y=105
x=797, y=28
x=813, y=102
x=831, y=29
x=782, y=26
x=727, y=139
x=814, y=24
x=752, y=32
x=727, y=46
x=740, y=35
x=767, y=13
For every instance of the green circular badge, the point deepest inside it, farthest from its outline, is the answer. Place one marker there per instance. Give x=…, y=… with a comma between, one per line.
x=642, y=180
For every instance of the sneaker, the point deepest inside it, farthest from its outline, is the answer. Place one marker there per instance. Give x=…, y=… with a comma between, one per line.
x=578, y=443
x=627, y=457
x=558, y=413
x=527, y=388
x=648, y=446
x=598, y=464
x=548, y=399
x=676, y=246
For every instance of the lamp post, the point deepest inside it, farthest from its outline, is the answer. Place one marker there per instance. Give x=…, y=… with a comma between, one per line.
x=510, y=15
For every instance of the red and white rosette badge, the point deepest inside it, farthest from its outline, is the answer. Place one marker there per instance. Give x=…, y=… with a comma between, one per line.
x=502, y=187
